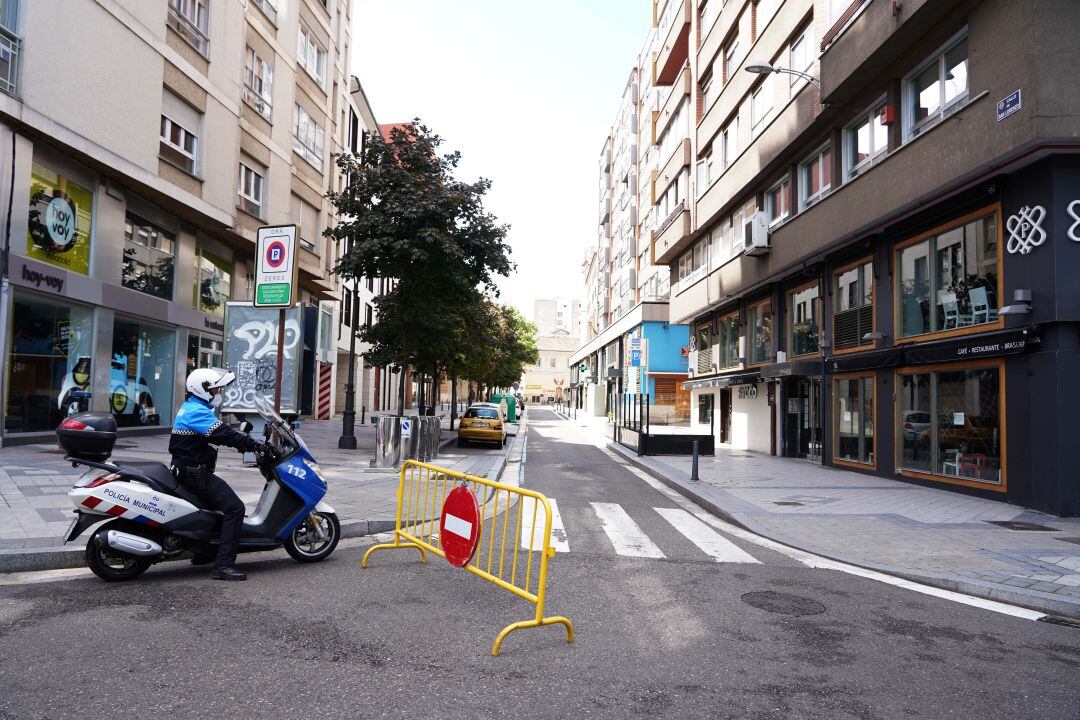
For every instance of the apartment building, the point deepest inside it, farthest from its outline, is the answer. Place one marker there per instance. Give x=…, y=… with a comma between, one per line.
x=878, y=245
x=558, y=334
x=626, y=293
x=554, y=316
x=143, y=144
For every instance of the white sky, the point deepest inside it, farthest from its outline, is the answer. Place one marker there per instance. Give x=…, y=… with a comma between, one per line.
x=527, y=92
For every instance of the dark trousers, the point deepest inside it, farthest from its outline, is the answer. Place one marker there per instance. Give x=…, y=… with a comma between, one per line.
x=219, y=496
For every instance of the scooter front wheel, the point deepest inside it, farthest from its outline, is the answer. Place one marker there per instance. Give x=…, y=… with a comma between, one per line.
x=111, y=566
x=311, y=542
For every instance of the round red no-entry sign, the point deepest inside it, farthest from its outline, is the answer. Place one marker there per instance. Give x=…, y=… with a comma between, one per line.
x=459, y=529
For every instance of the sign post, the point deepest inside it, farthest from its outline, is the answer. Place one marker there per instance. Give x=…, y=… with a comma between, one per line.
x=275, y=284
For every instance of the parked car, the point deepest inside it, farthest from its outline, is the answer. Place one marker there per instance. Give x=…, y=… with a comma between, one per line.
x=75, y=388
x=130, y=397
x=483, y=422
x=916, y=423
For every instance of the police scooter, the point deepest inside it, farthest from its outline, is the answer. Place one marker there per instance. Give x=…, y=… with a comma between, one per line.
x=151, y=517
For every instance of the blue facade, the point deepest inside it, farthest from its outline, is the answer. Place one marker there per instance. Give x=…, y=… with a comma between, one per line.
x=665, y=346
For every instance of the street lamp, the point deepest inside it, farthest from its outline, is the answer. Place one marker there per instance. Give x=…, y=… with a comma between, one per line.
x=347, y=441
x=764, y=68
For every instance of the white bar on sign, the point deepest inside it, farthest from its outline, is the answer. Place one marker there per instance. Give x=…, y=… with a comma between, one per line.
x=624, y=533
x=712, y=543
x=461, y=528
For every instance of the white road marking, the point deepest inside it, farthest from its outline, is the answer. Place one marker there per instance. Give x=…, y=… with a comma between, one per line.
x=710, y=542
x=806, y=558
x=558, y=531
x=624, y=533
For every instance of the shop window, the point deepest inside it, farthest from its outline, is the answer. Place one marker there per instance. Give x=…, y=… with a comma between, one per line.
x=704, y=349
x=937, y=87
x=203, y=352
x=950, y=423
x=213, y=283
x=149, y=258
x=853, y=305
x=949, y=279
x=60, y=220
x=49, y=368
x=141, y=376
x=727, y=342
x=804, y=313
x=815, y=177
x=759, y=333
x=853, y=419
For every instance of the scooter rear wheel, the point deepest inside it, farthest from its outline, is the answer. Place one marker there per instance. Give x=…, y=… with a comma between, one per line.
x=111, y=566
x=304, y=544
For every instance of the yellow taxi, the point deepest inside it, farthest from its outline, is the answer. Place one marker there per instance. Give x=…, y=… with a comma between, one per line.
x=482, y=422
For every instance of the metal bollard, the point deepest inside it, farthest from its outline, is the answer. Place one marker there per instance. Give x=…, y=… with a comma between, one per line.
x=693, y=465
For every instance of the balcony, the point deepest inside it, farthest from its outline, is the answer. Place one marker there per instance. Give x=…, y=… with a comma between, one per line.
x=680, y=89
x=675, y=50
x=866, y=40
x=679, y=159
x=672, y=236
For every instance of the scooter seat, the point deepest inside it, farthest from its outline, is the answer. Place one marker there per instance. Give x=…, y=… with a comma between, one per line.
x=165, y=481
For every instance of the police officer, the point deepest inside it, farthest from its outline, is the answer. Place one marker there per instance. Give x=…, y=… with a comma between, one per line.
x=196, y=428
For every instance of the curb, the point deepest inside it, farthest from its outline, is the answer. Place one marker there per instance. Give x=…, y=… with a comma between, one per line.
x=1031, y=599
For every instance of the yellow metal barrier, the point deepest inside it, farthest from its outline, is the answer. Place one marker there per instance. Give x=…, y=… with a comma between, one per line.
x=420, y=496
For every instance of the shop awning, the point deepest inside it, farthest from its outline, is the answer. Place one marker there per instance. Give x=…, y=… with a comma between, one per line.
x=974, y=347
x=793, y=368
x=889, y=357
x=720, y=381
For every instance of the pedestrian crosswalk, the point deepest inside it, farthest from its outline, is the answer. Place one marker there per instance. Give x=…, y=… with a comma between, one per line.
x=624, y=534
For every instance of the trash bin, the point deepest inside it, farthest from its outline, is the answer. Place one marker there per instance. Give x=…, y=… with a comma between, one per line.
x=387, y=441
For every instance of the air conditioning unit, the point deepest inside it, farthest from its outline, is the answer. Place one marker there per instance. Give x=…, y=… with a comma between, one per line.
x=756, y=235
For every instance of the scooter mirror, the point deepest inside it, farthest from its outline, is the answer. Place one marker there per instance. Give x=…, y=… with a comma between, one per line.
x=246, y=427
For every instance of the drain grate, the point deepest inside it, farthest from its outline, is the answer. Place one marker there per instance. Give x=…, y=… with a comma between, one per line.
x=1018, y=525
x=787, y=503
x=1058, y=620
x=782, y=603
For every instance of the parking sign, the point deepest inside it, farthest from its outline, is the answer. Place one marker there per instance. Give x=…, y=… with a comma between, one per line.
x=275, y=269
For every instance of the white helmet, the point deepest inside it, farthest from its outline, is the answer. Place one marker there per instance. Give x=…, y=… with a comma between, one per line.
x=200, y=382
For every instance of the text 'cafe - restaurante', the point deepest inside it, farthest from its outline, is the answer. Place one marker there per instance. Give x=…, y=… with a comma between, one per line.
x=975, y=394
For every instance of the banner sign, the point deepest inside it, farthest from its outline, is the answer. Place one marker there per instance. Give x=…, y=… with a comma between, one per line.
x=251, y=352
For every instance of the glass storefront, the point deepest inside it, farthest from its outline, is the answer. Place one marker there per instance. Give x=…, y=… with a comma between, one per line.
x=49, y=366
x=853, y=418
x=142, y=376
x=950, y=423
x=149, y=257
x=213, y=283
x=203, y=352
x=804, y=310
x=759, y=332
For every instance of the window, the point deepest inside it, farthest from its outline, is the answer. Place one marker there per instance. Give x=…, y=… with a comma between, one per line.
x=950, y=279
x=258, y=83
x=179, y=145
x=777, y=201
x=307, y=137
x=709, y=90
x=939, y=86
x=704, y=172
x=369, y=314
x=837, y=8
x=853, y=305
x=800, y=57
x=865, y=140
x=694, y=262
x=764, y=10
x=729, y=138
x=727, y=342
x=306, y=216
x=804, y=314
x=250, y=193
x=853, y=419
x=731, y=58
x=149, y=257
x=141, y=375
x=213, y=283
x=203, y=352
x=676, y=130
x=190, y=18
x=761, y=103
x=815, y=177
x=672, y=200
x=950, y=423
x=311, y=56
x=706, y=16
x=759, y=333
x=267, y=6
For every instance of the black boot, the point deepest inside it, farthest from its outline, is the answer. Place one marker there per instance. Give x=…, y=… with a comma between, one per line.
x=228, y=573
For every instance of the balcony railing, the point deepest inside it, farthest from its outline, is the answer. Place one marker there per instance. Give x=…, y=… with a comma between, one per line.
x=189, y=31
x=9, y=63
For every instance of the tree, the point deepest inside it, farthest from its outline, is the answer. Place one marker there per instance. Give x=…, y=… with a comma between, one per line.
x=405, y=216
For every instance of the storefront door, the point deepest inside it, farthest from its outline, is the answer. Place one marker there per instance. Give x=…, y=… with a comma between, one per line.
x=802, y=421
x=725, y=415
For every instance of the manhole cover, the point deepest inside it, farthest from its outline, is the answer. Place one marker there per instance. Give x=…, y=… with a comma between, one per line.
x=789, y=503
x=782, y=603
x=1018, y=525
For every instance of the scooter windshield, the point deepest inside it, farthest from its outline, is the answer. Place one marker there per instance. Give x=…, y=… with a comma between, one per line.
x=272, y=418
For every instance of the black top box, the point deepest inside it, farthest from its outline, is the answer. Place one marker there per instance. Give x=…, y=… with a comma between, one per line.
x=88, y=436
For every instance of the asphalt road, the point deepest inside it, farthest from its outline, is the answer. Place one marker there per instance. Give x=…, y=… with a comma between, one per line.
x=672, y=636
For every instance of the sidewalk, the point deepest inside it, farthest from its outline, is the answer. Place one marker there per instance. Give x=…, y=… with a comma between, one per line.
x=34, y=481
x=933, y=536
